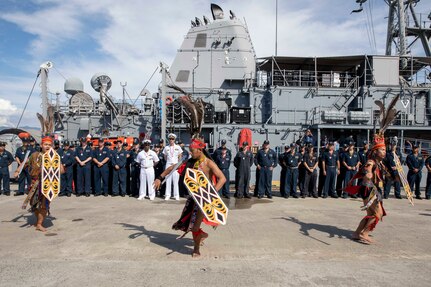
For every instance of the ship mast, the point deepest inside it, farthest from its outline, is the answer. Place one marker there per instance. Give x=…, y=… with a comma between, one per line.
x=44, y=86
x=401, y=29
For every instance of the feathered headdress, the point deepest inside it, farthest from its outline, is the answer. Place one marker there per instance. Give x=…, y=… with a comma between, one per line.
x=195, y=110
x=47, y=124
x=387, y=116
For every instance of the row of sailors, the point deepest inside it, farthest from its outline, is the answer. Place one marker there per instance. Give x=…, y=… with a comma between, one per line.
x=299, y=169
x=122, y=171
x=100, y=169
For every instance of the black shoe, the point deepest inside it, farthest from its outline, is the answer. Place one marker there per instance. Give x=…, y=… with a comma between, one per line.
x=315, y=196
x=418, y=197
x=87, y=195
x=105, y=194
x=324, y=196
x=247, y=196
x=286, y=196
x=344, y=196
x=16, y=194
x=123, y=195
x=69, y=195
x=385, y=196
x=7, y=193
x=295, y=196
x=78, y=195
x=427, y=197
x=334, y=196
x=398, y=196
x=259, y=196
x=302, y=196
x=269, y=196
x=226, y=196
x=354, y=196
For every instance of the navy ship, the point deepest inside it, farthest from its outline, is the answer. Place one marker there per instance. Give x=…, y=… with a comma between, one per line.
x=275, y=98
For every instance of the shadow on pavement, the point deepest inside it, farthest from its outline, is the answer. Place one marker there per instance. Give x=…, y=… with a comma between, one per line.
x=30, y=220
x=332, y=231
x=166, y=240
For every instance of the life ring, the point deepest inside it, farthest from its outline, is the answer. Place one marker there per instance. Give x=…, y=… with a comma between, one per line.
x=169, y=100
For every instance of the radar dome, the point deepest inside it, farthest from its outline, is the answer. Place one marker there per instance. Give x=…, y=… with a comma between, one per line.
x=73, y=86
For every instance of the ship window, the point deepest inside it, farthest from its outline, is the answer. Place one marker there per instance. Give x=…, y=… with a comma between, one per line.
x=183, y=76
x=201, y=40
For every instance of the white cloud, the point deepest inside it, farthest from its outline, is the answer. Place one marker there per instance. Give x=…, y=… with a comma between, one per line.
x=7, y=109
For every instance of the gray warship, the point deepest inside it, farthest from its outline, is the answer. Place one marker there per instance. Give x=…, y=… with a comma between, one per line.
x=275, y=97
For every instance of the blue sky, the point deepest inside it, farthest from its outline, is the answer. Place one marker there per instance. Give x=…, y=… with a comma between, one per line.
x=127, y=39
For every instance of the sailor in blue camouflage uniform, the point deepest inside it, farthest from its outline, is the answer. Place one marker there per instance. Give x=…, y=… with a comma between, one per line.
x=68, y=161
x=101, y=169
x=331, y=167
x=119, y=160
x=243, y=162
x=340, y=178
x=24, y=177
x=292, y=160
x=415, y=163
x=392, y=180
x=223, y=160
x=283, y=172
x=135, y=169
x=83, y=157
x=160, y=167
x=351, y=164
x=219, y=150
x=6, y=160
x=265, y=161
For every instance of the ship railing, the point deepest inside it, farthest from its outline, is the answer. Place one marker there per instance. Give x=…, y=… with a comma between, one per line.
x=316, y=116
x=309, y=78
x=424, y=21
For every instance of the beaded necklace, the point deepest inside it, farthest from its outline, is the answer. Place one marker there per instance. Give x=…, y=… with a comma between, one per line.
x=197, y=164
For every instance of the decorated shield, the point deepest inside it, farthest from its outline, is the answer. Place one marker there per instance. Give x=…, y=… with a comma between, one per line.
x=206, y=196
x=50, y=185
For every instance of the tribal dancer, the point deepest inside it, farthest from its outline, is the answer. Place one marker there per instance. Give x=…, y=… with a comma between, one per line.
x=372, y=173
x=39, y=204
x=192, y=217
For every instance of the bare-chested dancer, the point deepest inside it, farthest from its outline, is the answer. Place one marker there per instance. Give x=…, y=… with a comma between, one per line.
x=192, y=217
x=372, y=173
x=371, y=192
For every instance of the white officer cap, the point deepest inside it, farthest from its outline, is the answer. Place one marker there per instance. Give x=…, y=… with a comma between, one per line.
x=146, y=141
x=172, y=136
